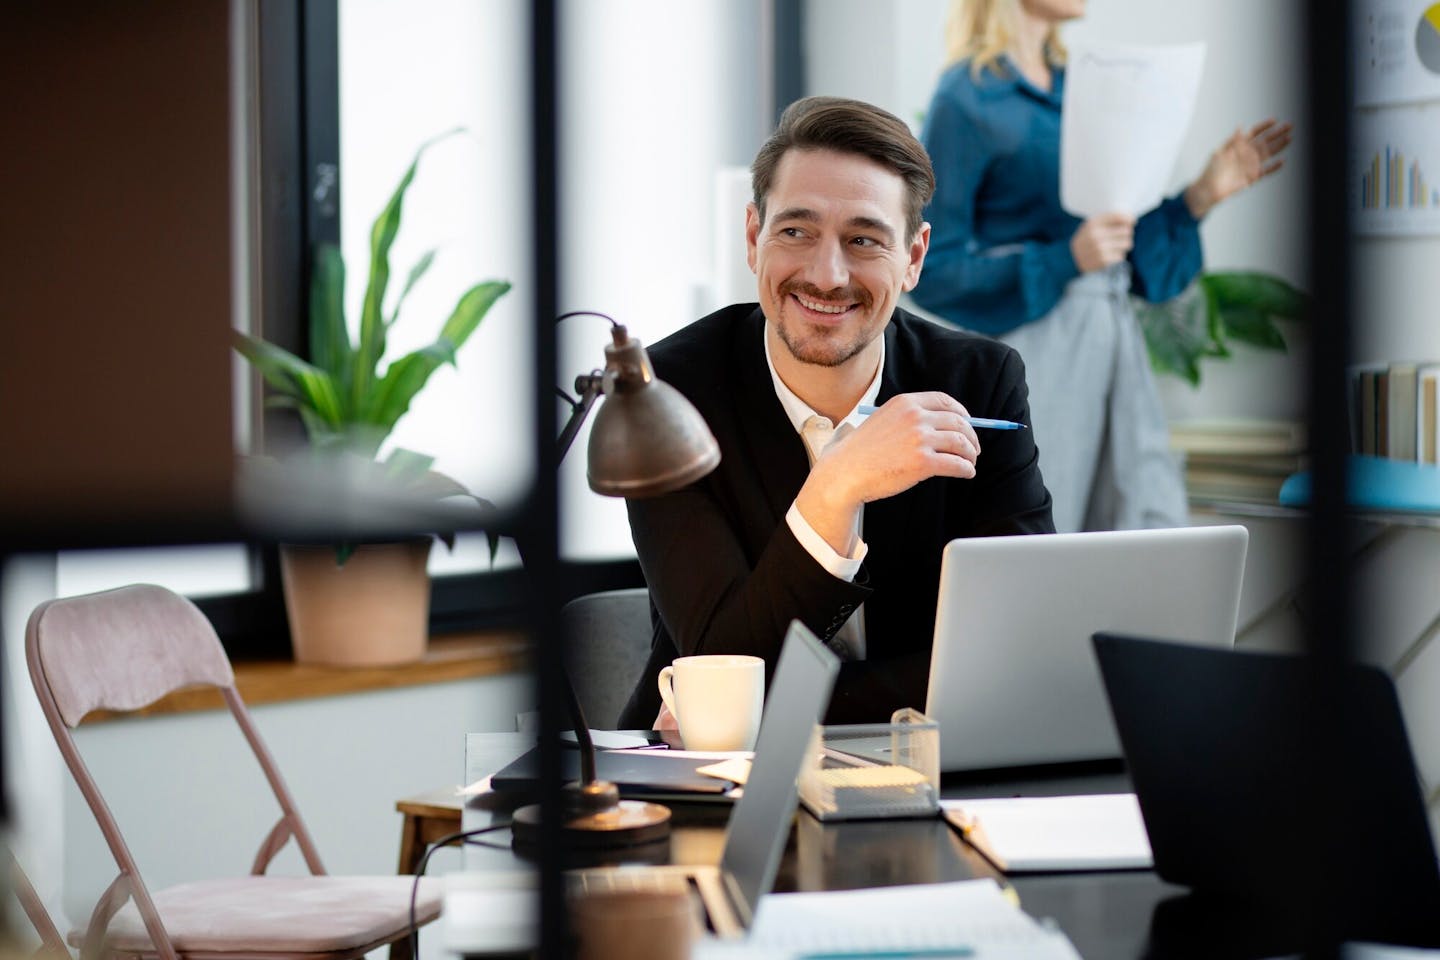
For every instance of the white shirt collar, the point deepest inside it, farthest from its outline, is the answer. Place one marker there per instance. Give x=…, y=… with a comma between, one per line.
x=798, y=410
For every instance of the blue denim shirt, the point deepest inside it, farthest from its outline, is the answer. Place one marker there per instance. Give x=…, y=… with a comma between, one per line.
x=1000, y=241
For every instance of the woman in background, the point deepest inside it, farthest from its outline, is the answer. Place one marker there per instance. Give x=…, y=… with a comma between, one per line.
x=1007, y=260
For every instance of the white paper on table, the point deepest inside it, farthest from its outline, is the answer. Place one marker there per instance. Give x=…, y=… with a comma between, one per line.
x=1095, y=832
x=1125, y=112
x=973, y=914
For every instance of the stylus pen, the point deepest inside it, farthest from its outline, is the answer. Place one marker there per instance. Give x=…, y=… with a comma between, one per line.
x=981, y=423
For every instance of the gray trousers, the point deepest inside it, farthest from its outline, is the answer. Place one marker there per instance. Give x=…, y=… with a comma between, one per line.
x=1103, y=439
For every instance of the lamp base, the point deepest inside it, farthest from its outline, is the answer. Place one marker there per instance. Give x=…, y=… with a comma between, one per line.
x=596, y=817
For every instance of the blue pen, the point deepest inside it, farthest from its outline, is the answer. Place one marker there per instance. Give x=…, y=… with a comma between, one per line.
x=920, y=953
x=980, y=423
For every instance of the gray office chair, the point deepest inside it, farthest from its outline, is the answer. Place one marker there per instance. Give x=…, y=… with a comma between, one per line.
x=608, y=642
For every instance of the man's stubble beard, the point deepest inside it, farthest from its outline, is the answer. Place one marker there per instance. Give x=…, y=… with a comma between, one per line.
x=819, y=349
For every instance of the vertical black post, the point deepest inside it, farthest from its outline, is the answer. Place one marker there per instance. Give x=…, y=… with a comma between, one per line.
x=320, y=122
x=1330, y=635
x=788, y=55
x=542, y=543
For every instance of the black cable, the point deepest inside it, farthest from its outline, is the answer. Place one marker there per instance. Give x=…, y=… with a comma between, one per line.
x=464, y=836
x=587, y=313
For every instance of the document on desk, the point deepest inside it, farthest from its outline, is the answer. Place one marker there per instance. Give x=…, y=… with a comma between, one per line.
x=971, y=918
x=1055, y=834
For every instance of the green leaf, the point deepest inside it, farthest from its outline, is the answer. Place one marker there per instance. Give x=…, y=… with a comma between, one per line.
x=407, y=465
x=329, y=340
x=1264, y=292
x=388, y=401
x=404, y=378
x=1252, y=326
x=1177, y=335
x=471, y=309
x=311, y=386
x=416, y=272
x=372, y=327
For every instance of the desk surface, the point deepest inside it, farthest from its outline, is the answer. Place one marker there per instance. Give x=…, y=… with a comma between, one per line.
x=1106, y=915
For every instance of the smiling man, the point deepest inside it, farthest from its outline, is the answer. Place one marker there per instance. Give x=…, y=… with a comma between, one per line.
x=817, y=511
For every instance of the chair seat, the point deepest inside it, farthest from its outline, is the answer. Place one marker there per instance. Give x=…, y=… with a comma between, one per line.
x=281, y=915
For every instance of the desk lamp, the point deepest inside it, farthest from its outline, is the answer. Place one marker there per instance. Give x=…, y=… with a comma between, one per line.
x=647, y=440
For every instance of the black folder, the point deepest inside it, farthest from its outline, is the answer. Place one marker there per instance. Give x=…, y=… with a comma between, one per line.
x=646, y=774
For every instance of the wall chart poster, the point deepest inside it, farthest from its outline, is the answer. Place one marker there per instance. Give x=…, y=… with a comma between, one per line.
x=1395, y=171
x=1397, y=52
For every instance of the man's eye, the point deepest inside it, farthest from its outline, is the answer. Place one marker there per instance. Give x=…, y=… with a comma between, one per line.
x=791, y=232
x=865, y=242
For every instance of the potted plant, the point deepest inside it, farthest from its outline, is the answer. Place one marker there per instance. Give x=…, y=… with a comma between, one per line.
x=362, y=603
x=1220, y=306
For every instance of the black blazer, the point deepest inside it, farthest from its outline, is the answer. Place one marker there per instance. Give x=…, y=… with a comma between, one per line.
x=725, y=573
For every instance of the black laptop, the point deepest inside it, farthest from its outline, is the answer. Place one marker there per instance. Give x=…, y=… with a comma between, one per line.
x=1243, y=803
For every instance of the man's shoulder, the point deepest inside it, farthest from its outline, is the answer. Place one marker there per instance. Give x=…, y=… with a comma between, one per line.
x=706, y=344
x=930, y=341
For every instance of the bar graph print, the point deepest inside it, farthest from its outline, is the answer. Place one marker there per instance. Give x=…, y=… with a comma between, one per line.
x=1393, y=181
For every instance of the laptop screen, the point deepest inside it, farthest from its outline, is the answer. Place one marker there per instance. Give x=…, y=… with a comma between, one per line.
x=760, y=822
x=1012, y=677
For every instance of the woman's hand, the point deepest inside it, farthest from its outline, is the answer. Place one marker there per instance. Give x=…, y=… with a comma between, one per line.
x=1102, y=241
x=1240, y=161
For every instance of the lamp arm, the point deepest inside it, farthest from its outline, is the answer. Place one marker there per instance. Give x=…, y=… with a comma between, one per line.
x=589, y=386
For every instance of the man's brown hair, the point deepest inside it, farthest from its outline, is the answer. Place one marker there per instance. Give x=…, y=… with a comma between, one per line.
x=854, y=127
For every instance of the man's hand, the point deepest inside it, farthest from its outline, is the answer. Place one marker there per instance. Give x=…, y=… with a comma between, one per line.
x=913, y=437
x=1102, y=241
x=1240, y=161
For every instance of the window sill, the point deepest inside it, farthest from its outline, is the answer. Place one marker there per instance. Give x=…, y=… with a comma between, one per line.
x=452, y=657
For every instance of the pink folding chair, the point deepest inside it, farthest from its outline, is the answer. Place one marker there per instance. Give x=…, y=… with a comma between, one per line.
x=122, y=650
x=52, y=945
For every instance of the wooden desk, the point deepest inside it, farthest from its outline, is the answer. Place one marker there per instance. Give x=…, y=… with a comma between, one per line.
x=1126, y=915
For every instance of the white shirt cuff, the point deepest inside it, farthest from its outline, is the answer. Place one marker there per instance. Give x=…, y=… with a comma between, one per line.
x=836, y=564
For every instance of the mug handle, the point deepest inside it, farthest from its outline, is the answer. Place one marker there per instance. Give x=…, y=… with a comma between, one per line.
x=666, y=682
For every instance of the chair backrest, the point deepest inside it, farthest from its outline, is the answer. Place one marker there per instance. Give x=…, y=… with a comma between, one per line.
x=608, y=638
x=122, y=650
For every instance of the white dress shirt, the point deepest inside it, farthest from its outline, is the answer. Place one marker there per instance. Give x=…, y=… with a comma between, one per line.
x=818, y=433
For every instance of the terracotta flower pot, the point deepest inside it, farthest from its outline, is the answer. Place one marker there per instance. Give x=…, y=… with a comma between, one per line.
x=372, y=612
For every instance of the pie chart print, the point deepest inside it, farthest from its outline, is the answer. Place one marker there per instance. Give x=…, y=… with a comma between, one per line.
x=1427, y=38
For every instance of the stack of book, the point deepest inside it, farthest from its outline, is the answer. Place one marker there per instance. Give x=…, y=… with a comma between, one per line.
x=1393, y=411
x=1238, y=459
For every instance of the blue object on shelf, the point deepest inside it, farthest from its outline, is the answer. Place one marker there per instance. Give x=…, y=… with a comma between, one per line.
x=1376, y=483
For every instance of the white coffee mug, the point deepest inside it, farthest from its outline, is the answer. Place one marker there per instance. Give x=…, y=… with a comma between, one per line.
x=715, y=699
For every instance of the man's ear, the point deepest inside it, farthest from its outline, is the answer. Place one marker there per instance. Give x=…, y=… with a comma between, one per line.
x=752, y=233
x=918, y=248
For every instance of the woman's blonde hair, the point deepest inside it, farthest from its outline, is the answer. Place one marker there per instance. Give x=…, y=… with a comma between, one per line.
x=983, y=30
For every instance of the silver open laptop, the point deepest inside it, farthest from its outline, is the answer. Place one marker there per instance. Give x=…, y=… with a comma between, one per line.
x=760, y=821
x=1013, y=679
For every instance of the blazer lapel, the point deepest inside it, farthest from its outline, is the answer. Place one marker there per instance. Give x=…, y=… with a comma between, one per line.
x=773, y=448
x=887, y=522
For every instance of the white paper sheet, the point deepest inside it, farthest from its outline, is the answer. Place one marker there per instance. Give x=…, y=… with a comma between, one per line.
x=973, y=914
x=1126, y=109
x=1095, y=832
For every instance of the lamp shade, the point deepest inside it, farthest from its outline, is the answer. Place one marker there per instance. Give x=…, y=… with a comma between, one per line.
x=647, y=438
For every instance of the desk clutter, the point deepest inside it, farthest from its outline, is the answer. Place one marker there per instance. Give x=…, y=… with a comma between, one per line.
x=861, y=771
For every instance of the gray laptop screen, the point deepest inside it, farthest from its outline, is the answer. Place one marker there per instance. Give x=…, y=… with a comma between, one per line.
x=760, y=822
